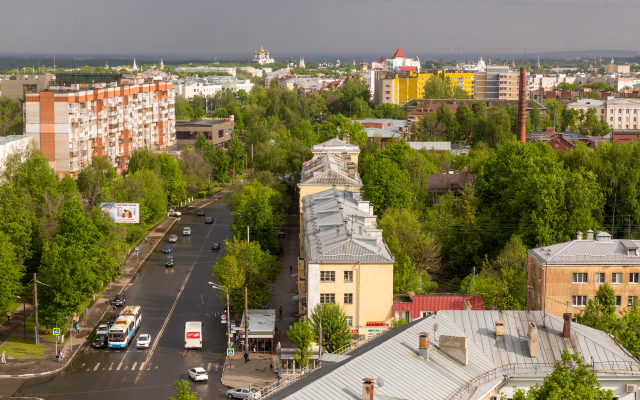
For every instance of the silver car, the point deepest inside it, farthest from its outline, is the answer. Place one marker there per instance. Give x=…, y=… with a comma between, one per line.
x=173, y=238
x=143, y=341
x=244, y=393
x=198, y=374
x=186, y=231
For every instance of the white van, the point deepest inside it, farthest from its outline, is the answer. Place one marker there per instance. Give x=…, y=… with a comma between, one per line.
x=193, y=335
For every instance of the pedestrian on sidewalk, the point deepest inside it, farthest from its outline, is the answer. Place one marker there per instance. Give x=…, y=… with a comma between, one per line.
x=280, y=310
x=279, y=378
x=77, y=329
x=145, y=239
x=4, y=358
x=246, y=357
x=8, y=315
x=58, y=355
x=270, y=365
x=290, y=269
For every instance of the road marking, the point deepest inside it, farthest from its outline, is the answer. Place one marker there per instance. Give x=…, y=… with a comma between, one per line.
x=156, y=367
x=142, y=365
x=96, y=368
x=110, y=366
x=134, y=365
x=119, y=365
x=125, y=367
x=83, y=364
x=209, y=367
x=88, y=369
x=216, y=367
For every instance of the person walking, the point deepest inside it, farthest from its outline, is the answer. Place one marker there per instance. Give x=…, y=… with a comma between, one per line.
x=4, y=358
x=8, y=315
x=61, y=356
x=279, y=378
x=246, y=357
x=280, y=310
x=77, y=329
x=290, y=269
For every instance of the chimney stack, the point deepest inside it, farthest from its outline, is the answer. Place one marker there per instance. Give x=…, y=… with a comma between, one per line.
x=566, y=330
x=455, y=347
x=351, y=169
x=367, y=389
x=589, y=234
x=467, y=306
x=579, y=236
x=522, y=106
x=423, y=346
x=346, y=138
x=532, y=339
x=499, y=328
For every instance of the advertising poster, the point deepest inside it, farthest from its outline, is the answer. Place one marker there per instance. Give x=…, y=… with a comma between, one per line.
x=122, y=213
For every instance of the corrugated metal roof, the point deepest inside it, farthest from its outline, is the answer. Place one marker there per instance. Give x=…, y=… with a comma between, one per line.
x=394, y=356
x=335, y=145
x=328, y=169
x=438, y=146
x=338, y=228
x=604, y=251
x=436, y=302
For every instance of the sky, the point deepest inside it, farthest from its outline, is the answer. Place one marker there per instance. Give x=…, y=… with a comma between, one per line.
x=299, y=27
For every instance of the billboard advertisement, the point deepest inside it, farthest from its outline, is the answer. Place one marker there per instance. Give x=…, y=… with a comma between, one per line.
x=122, y=213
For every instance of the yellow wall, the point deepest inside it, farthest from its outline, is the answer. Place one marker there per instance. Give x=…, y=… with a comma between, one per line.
x=374, y=291
x=411, y=86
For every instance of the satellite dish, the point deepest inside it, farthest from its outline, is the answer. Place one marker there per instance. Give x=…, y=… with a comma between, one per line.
x=380, y=382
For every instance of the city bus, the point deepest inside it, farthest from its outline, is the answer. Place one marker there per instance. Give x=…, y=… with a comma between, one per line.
x=133, y=311
x=193, y=335
x=122, y=331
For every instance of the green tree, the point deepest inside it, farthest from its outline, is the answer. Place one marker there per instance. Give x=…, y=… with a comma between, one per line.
x=567, y=86
x=301, y=335
x=570, y=379
x=92, y=178
x=335, y=330
x=448, y=119
x=600, y=311
x=600, y=86
x=171, y=173
x=184, y=112
x=11, y=271
x=10, y=117
x=183, y=391
x=386, y=185
x=593, y=96
x=237, y=153
x=466, y=121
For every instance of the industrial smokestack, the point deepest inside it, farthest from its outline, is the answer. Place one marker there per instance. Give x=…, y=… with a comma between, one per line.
x=522, y=106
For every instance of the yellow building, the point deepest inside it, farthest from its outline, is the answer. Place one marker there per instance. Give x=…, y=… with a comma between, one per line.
x=496, y=83
x=337, y=147
x=346, y=260
x=399, y=88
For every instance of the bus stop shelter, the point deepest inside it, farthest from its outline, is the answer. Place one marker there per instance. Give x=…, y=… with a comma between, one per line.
x=262, y=330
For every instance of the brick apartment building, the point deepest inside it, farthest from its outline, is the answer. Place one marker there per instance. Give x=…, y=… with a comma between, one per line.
x=72, y=124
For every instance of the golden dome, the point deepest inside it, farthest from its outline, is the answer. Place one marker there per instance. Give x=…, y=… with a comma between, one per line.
x=261, y=50
x=255, y=53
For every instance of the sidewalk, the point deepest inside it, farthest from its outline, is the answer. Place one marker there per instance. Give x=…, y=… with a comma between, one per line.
x=48, y=364
x=257, y=372
x=17, y=318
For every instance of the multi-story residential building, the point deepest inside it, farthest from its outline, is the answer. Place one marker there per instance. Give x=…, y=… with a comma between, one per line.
x=399, y=88
x=615, y=80
x=346, y=260
x=217, y=130
x=619, y=113
x=497, y=82
x=15, y=88
x=617, y=68
x=209, y=86
x=227, y=70
x=537, y=81
x=386, y=129
x=563, y=277
x=72, y=124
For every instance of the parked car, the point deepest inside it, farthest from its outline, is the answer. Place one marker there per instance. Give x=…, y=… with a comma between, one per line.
x=198, y=374
x=100, y=341
x=215, y=247
x=119, y=300
x=113, y=318
x=173, y=238
x=143, y=341
x=168, y=262
x=173, y=213
x=102, y=330
x=167, y=249
x=201, y=212
x=186, y=231
x=281, y=233
x=244, y=393
x=208, y=220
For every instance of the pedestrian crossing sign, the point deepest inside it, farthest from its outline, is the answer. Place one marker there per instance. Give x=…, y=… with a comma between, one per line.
x=230, y=352
x=56, y=331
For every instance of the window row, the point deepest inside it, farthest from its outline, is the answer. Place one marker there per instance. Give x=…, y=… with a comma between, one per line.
x=330, y=276
x=331, y=298
x=581, y=301
x=599, y=277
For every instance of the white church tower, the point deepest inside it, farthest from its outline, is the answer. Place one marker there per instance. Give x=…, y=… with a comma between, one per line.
x=301, y=65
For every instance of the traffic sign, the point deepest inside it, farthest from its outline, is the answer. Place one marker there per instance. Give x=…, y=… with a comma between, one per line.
x=230, y=352
x=56, y=331
x=223, y=319
x=233, y=327
x=137, y=249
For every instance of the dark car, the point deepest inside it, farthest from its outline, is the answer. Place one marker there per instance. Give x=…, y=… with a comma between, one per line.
x=215, y=247
x=113, y=318
x=208, y=220
x=168, y=262
x=200, y=212
x=100, y=341
x=167, y=249
x=119, y=301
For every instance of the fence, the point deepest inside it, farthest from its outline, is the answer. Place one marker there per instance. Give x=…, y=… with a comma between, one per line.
x=276, y=386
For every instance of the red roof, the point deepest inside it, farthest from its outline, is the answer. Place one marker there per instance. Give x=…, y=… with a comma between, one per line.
x=399, y=53
x=414, y=69
x=436, y=302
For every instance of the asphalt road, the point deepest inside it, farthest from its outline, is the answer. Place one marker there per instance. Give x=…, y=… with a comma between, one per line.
x=169, y=297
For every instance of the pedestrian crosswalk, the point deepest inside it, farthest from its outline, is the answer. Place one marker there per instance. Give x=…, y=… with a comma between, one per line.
x=136, y=366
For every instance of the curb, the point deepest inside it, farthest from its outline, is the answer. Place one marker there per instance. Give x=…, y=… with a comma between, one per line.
x=66, y=364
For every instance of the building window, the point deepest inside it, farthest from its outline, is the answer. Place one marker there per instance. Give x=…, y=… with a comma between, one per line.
x=580, y=277
x=327, y=298
x=631, y=300
x=616, y=278
x=618, y=301
x=327, y=276
x=348, y=276
x=350, y=321
x=221, y=133
x=538, y=298
x=348, y=298
x=424, y=314
x=599, y=277
x=579, y=301
x=539, y=273
x=387, y=92
x=633, y=277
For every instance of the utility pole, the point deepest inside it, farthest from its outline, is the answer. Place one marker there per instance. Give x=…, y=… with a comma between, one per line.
x=246, y=322
x=629, y=227
x=247, y=233
x=473, y=274
x=320, y=341
x=253, y=167
x=35, y=306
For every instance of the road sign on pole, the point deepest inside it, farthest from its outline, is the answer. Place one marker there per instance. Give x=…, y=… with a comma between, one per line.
x=56, y=331
x=223, y=319
x=230, y=352
x=233, y=327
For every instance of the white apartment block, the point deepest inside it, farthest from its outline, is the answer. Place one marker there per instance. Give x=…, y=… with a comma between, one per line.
x=620, y=114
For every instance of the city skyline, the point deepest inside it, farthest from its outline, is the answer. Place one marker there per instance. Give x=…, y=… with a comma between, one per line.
x=282, y=27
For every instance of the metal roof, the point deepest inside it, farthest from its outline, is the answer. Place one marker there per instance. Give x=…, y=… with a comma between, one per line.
x=394, y=357
x=328, y=169
x=438, y=146
x=339, y=228
x=334, y=146
x=601, y=251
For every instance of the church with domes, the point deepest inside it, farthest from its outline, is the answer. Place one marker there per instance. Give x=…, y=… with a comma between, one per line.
x=262, y=57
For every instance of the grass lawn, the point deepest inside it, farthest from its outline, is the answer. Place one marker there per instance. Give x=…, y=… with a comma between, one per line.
x=19, y=348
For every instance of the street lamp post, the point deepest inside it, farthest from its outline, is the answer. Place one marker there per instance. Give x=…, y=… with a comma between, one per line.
x=220, y=287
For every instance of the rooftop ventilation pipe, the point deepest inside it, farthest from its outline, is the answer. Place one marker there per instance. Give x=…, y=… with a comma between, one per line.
x=423, y=345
